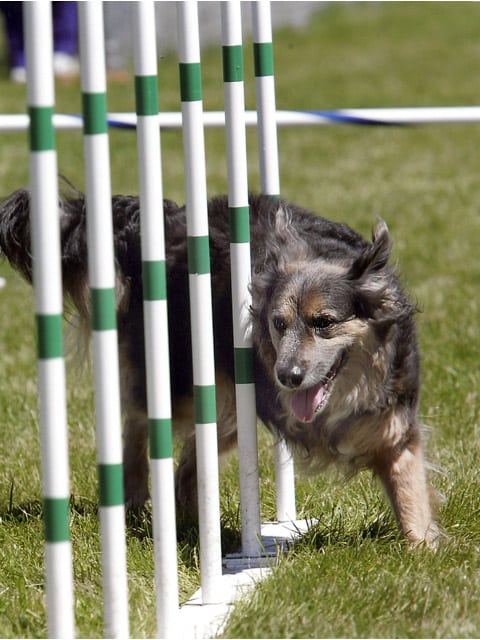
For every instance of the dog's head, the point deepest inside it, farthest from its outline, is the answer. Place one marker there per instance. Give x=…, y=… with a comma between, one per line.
x=318, y=322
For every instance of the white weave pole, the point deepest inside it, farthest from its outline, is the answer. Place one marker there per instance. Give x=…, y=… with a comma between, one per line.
x=270, y=181
x=200, y=301
x=47, y=280
x=241, y=275
x=156, y=319
x=104, y=332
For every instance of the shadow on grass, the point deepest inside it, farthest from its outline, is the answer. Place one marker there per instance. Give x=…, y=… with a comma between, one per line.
x=338, y=532
x=139, y=525
x=23, y=512
x=334, y=530
x=138, y=522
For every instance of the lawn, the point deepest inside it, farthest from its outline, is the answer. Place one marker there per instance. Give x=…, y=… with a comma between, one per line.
x=351, y=576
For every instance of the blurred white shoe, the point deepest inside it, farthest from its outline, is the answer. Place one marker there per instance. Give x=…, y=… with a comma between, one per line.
x=18, y=75
x=65, y=65
x=3, y=282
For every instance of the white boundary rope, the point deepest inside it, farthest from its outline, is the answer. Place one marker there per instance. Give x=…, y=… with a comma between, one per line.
x=402, y=116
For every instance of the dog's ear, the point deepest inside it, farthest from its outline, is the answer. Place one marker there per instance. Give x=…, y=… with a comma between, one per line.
x=374, y=279
x=375, y=257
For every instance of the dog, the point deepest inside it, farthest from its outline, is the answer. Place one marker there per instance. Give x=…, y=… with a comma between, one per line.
x=334, y=339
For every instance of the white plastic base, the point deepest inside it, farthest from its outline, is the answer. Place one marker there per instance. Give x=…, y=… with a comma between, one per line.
x=240, y=573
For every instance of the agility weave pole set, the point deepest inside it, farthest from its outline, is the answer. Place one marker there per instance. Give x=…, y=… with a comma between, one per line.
x=48, y=303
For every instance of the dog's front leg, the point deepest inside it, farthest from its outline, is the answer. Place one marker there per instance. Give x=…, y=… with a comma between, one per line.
x=135, y=462
x=186, y=476
x=405, y=481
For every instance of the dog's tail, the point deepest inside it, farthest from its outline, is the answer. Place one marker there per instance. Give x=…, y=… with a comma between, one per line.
x=15, y=232
x=15, y=243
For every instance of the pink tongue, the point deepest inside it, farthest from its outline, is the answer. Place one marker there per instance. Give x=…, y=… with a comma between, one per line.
x=305, y=403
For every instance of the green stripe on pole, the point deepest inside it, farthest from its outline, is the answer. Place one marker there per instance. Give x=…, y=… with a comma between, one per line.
x=232, y=63
x=111, y=484
x=239, y=224
x=198, y=255
x=205, y=407
x=190, y=81
x=160, y=438
x=94, y=113
x=42, y=131
x=146, y=94
x=263, y=58
x=274, y=197
x=103, y=309
x=49, y=336
x=154, y=280
x=56, y=518
x=244, y=365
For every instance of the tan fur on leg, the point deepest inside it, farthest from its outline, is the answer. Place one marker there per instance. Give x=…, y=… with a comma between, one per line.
x=405, y=480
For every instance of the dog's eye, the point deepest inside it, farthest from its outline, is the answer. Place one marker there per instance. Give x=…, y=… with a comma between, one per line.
x=279, y=324
x=322, y=322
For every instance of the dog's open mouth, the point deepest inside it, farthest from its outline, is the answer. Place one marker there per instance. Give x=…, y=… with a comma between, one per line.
x=306, y=403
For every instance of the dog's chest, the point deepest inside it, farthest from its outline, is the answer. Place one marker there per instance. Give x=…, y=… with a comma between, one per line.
x=356, y=440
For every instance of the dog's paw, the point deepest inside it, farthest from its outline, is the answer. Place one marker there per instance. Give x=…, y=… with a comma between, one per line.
x=431, y=540
x=136, y=501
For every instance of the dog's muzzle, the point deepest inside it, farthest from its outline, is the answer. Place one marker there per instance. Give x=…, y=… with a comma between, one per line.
x=306, y=403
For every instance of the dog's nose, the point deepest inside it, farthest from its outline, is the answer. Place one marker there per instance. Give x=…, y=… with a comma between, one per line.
x=296, y=376
x=291, y=376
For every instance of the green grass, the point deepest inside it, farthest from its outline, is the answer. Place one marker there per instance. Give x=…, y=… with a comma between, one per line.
x=351, y=575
